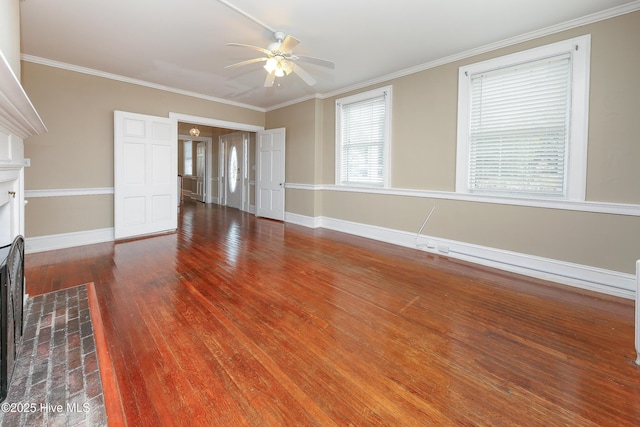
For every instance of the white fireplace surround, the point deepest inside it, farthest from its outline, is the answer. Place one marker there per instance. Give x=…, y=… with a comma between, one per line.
x=18, y=120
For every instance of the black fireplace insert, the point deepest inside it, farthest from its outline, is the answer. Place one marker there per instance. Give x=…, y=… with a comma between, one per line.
x=11, y=309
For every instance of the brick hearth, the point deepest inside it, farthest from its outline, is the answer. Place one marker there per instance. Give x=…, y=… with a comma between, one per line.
x=56, y=379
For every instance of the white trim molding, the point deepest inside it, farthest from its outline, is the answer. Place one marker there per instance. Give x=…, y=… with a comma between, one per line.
x=207, y=121
x=581, y=276
x=305, y=221
x=68, y=240
x=18, y=114
x=65, y=192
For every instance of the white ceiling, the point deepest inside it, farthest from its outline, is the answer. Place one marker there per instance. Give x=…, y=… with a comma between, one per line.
x=182, y=44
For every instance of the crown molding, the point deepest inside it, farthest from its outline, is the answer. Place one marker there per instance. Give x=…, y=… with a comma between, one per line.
x=117, y=77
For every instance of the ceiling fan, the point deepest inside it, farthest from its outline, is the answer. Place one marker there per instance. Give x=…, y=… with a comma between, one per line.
x=280, y=59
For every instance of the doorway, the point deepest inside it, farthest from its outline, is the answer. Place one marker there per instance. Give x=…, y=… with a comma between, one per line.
x=266, y=190
x=195, y=166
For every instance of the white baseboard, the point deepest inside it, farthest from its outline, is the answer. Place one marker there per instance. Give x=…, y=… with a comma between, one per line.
x=577, y=275
x=305, y=221
x=68, y=240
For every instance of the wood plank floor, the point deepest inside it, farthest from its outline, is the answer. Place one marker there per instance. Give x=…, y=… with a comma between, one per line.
x=241, y=321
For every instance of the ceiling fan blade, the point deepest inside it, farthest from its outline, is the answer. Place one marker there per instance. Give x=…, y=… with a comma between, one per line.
x=270, y=79
x=303, y=75
x=289, y=43
x=259, y=49
x=247, y=62
x=317, y=61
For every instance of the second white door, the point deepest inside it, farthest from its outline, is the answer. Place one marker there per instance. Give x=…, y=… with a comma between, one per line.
x=270, y=173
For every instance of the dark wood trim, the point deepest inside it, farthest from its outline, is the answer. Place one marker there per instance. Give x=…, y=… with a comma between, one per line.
x=113, y=404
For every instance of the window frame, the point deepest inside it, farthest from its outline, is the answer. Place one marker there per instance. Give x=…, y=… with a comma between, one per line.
x=387, y=92
x=575, y=178
x=189, y=158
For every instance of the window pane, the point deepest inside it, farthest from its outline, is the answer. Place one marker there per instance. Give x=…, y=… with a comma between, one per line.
x=363, y=141
x=188, y=158
x=519, y=125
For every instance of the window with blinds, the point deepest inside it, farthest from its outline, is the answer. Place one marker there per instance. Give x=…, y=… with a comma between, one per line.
x=362, y=123
x=522, y=123
x=519, y=128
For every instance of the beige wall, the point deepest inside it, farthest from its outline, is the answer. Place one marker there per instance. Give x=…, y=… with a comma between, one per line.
x=299, y=121
x=424, y=155
x=10, y=33
x=68, y=214
x=304, y=142
x=77, y=151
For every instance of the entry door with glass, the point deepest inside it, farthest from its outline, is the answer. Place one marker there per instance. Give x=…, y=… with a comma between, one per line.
x=234, y=160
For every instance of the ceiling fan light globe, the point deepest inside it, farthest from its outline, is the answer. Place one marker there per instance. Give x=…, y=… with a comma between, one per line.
x=279, y=72
x=271, y=65
x=286, y=67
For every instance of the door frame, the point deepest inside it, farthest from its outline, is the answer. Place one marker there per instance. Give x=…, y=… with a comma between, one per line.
x=208, y=121
x=208, y=168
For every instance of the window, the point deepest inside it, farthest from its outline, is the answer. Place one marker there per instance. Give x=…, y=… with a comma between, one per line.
x=233, y=169
x=188, y=158
x=522, y=123
x=363, y=129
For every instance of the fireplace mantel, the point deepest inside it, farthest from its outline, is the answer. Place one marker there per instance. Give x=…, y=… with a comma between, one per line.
x=17, y=114
x=18, y=121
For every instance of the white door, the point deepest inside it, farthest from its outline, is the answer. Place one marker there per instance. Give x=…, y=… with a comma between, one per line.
x=235, y=169
x=270, y=173
x=146, y=167
x=200, y=171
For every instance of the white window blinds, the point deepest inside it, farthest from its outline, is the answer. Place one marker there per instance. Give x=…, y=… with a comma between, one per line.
x=519, y=129
x=362, y=136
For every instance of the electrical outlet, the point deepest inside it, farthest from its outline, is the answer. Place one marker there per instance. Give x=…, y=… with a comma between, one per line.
x=443, y=248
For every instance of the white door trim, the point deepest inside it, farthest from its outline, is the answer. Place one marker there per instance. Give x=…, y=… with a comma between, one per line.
x=207, y=121
x=209, y=161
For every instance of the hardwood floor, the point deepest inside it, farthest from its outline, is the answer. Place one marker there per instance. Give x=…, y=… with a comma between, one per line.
x=242, y=321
